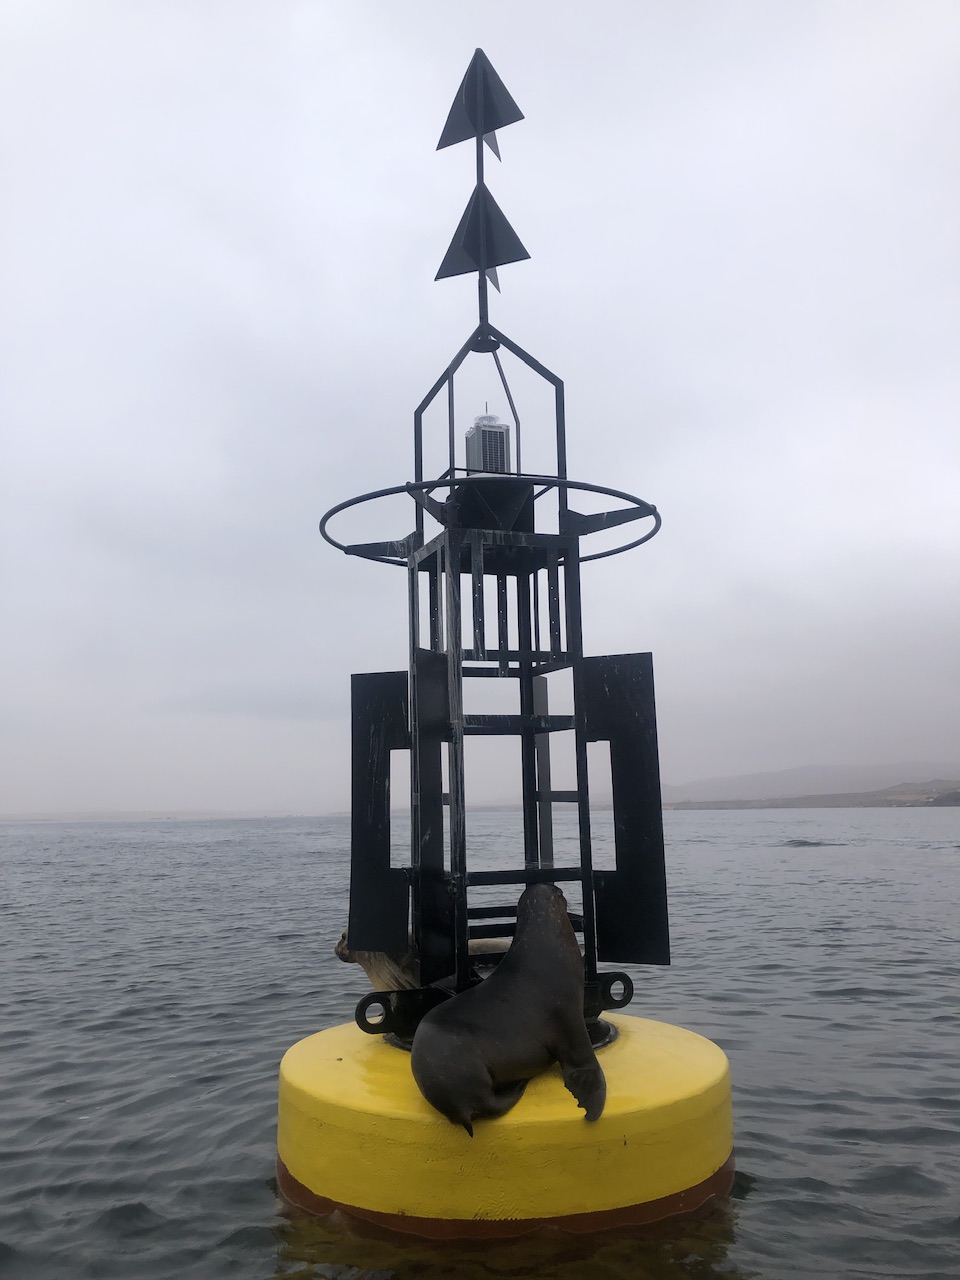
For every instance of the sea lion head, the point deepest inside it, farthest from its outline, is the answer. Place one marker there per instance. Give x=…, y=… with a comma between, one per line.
x=342, y=950
x=541, y=901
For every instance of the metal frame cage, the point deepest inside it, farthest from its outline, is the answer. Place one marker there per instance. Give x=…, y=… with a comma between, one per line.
x=493, y=594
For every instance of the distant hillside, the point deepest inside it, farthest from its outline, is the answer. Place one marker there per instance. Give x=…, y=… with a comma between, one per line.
x=814, y=781
x=938, y=791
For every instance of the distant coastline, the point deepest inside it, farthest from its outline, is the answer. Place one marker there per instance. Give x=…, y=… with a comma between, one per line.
x=905, y=795
x=907, y=785
x=162, y=815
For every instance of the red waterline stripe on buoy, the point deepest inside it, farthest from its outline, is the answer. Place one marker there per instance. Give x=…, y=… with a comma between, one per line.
x=681, y=1202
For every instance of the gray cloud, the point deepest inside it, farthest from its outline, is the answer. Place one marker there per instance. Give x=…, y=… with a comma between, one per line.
x=218, y=249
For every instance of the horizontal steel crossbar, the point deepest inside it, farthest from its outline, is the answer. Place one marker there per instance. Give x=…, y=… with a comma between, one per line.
x=506, y=929
x=529, y=875
x=505, y=724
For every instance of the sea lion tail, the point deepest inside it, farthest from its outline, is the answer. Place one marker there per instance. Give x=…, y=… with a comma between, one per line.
x=589, y=1086
x=454, y=1111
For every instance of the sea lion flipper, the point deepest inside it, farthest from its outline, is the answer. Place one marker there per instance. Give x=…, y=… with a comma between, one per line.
x=505, y=1096
x=496, y=1101
x=588, y=1085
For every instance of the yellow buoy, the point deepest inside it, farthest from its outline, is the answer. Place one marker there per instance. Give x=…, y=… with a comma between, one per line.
x=356, y=1134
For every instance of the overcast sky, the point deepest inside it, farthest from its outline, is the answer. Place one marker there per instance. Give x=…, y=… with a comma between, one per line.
x=220, y=228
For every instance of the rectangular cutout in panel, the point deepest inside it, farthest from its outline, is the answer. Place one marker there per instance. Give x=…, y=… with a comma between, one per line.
x=430, y=605
x=563, y=759
x=466, y=614
x=494, y=811
x=560, y=690
x=491, y=697
x=490, y=610
x=602, y=827
x=400, y=808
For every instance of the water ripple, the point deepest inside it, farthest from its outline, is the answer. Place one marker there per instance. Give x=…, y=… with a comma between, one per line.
x=155, y=973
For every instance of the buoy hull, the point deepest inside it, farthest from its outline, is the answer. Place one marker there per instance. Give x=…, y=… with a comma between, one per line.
x=355, y=1133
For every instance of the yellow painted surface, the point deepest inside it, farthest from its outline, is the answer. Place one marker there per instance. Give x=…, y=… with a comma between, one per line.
x=354, y=1127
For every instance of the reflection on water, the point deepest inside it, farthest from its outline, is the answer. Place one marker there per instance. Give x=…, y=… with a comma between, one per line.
x=695, y=1248
x=154, y=974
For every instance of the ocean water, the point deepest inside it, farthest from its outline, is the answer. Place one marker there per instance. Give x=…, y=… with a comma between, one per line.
x=153, y=974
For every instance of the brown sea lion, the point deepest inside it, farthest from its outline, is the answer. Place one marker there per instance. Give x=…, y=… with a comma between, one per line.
x=474, y=1055
x=386, y=972
x=396, y=972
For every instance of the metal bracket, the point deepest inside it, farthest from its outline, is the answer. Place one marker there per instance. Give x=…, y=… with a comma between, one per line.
x=610, y=991
x=399, y=1011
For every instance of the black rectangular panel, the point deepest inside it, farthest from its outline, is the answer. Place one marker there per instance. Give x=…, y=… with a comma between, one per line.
x=615, y=693
x=379, y=894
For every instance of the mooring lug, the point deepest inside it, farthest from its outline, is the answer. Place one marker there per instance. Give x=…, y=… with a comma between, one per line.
x=399, y=1011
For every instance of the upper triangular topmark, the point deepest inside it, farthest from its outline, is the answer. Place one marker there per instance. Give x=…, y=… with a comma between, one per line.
x=483, y=104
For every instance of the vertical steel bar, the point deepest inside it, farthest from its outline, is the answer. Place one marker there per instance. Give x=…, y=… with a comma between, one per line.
x=482, y=274
x=418, y=464
x=513, y=407
x=575, y=656
x=571, y=580
x=502, y=628
x=457, y=808
x=544, y=784
x=553, y=598
x=436, y=603
x=413, y=599
x=476, y=573
x=436, y=938
x=561, y=448
x=528, y=746
x=413, y=602
x=451, y=440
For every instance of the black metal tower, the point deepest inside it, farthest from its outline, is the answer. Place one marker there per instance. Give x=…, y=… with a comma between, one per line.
x=493, y=566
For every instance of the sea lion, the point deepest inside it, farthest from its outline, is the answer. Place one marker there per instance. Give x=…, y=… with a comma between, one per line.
x=474, y=1055
x=386, y=972
x=395, y=972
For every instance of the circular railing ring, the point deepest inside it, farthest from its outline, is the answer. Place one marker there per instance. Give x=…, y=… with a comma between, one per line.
x=548, y=483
